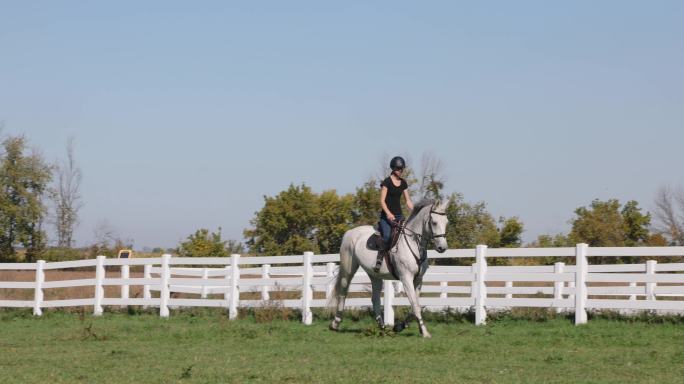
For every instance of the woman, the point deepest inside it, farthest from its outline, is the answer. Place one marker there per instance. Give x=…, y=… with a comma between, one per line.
x=390, y=198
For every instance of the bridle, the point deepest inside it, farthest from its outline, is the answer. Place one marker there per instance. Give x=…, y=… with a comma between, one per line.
x=423, y=254
x=433, y=212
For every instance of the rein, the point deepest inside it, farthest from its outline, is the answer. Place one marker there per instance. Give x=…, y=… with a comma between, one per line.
x=422, y=250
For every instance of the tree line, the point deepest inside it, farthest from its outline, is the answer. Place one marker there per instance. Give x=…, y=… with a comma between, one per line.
x=36, y=194
x=298, y=219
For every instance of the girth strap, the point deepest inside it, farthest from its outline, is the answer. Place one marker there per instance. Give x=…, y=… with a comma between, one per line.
x=390, y=265
x=385, y=255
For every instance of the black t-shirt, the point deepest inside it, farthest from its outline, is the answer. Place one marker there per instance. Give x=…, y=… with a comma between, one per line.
x=393, y=199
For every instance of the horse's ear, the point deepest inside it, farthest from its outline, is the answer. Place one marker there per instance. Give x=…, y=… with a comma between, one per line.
x=443, y=205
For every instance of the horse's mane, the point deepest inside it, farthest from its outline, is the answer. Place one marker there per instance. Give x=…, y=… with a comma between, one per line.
x=418, y=207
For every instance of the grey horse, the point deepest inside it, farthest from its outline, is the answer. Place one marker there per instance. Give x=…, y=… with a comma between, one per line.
x=427, y=222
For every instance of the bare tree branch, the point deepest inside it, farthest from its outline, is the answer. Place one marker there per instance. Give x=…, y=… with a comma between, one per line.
x=431, y=176
x=679, y=198
x=105, y=234
x=670, y=223
x=67, y=197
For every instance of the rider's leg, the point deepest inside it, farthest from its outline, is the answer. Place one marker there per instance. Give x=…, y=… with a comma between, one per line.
x=385, y=229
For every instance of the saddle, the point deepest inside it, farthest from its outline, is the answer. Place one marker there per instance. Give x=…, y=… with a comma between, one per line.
x=376, y=243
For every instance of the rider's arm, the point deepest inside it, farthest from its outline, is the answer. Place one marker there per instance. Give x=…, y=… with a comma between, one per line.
x=383, y=196
x=409, y=203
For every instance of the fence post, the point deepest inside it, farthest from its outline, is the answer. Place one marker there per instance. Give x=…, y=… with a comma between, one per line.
x=234, y=292
x=227, y=277
x=633, y=296
x=125, y=289
x=164, y=291
x=650, y=287
x=509, y=284
x=205, y=277
x=147, y=274
x=307, y=292
x=571, y=296
x=99, y=289
x=480, y=286
x=38, y=293
x=442, y=286
x=581, y=272
x=266, y=275
x=388, y=302
x=558, y=285
x=329, y=273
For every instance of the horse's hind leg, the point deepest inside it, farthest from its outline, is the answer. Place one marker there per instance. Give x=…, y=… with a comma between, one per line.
x=375, y=298
x=346, y=274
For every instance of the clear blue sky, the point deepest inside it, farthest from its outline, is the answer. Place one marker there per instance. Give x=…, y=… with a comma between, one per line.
x=186, y=114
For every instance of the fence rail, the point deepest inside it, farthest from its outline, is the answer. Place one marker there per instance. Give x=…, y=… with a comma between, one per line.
x=306, y=281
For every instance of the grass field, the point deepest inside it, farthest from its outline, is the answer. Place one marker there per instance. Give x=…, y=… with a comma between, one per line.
x=204, y=347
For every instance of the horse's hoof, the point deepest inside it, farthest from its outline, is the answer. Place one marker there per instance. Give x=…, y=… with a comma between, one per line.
x=398, y=327
x=334, y=328
x=427, y=335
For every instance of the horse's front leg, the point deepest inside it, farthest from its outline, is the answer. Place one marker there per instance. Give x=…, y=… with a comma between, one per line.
x=400, y=326
x=418, y=280
x=415, y=305
x=375, y=298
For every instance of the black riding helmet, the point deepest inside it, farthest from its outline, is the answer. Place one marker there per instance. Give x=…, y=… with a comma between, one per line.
x=397, y=162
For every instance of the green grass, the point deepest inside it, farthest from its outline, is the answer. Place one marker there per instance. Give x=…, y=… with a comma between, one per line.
x=204, y=347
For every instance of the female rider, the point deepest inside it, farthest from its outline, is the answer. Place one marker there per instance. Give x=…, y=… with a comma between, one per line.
x=390, y=198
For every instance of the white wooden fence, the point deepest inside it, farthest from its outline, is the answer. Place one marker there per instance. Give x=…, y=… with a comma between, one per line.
x=240, y=282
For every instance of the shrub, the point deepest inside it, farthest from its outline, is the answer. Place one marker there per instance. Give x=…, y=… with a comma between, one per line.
x=62, y=254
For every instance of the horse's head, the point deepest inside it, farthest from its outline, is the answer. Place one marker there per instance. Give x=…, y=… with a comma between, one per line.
x=436, y=224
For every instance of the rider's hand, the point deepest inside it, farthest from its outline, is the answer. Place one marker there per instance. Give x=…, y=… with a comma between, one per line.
x=391, y=218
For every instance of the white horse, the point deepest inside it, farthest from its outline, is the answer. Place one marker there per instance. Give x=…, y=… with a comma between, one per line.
x=409, y=260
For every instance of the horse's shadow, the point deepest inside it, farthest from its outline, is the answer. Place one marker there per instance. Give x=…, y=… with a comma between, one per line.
x=351, y=330
x=365, y=331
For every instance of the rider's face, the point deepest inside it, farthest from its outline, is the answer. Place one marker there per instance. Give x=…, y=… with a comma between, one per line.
x=398, y=171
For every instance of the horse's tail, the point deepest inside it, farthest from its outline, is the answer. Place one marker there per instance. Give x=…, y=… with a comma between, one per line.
x=343, y=273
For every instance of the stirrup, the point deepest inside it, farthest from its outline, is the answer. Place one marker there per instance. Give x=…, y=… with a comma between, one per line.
x=378, y=261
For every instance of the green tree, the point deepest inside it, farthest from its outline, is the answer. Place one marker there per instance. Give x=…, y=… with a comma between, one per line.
x=510, y=233
x=203, y=244
x=636, y=224
x=470, y=224
x=334, y=219
x=599, y=225
x=287, y=223
x=605, y=224
x=551, y=241
x=366, y=208
x=23, y=185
